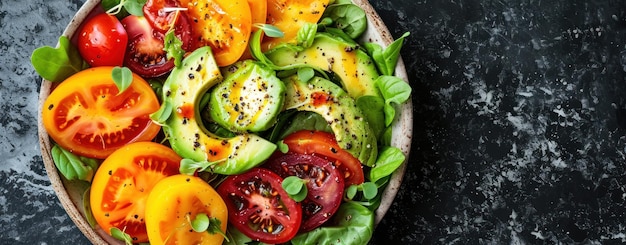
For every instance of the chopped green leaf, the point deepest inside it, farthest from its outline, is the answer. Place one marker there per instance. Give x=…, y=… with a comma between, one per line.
x=160, y=116
x=270, y=30
x=295, y=188
x=134, y=7
x=351, y=191
x=73, y=167
x=57, y=64
x=122, y=77
x=282, y=147
x=306, y=35
x=370, y=190
x=121, y=235
x=174, y=48
x=305, y=74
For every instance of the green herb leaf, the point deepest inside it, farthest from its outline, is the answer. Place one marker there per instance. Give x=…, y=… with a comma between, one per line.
x=73, y=167
x=351, y=191
x=372, y=107
x=386, y=59
x=200, y=223
x=160, y=116
x=57, y=64
x=122, y=77
x=306, y=35
x=282, y=147
x=347, y=17
x=295, y=188
x=370, y=190
x=189, y=166
x=305, y=74
x=270, y=30
x=215, y=227
x=389, y=159
x=174, y=48
x=134, y=7
x=87, y=208
x=395, y=91
x=121, y=235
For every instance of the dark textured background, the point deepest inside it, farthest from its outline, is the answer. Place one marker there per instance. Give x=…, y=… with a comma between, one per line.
x=520, y=123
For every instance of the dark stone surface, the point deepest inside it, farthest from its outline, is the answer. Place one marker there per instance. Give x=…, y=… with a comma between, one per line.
x=520, y=123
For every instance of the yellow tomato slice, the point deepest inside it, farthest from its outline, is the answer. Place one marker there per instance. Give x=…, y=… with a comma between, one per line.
x=289, y=16
x=121, y=185
x=224, y=25
x=174, y=202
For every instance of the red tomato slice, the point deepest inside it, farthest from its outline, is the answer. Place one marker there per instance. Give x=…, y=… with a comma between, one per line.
x=259, y=207
x=323, y=180
x=224, y=25
x=121, y=185
x=86, y=115
x=102, y=41
x=324, y=144
x=145, y=55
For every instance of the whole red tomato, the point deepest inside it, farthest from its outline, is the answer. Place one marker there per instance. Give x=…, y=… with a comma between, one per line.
x=102, y=41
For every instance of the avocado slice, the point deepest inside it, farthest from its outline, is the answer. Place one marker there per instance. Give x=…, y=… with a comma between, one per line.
x=353, y=67
x=182, y=92
x=249, y=98
x=340, y=111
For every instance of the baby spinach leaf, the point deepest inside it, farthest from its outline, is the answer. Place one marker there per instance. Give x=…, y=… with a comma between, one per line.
x=395, y=91
x=160, y=116
x=57, y=64
x=73, y=167
x=352, y=224
x=389, y=159
x=371, y=106
x=386, y=59
x=305, y=74
x=189, y=166
x=347, y=17
x=122, y=77
x=121, y=7
x=270, y=30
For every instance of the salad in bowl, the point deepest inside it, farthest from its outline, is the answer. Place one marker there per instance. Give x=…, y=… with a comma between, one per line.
x=225, y=121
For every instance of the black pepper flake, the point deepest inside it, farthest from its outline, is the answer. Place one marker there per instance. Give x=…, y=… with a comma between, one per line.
x=50, y=106
x=191, y=76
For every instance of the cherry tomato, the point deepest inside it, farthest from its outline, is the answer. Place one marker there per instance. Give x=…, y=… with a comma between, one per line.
x=120, y=187
x=324, y=144
x=224, y=25
x=87, y=115
x=289, y=16
x=177, y=200
x=145, y=55
x=323, y=180
x=102, y=41
x=259, y=207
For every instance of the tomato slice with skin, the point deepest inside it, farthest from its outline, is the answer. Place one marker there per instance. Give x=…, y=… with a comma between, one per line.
x=120, y=187
x=289, y=16
x=324, y=144
x=102, y=41
x=87, y=115
x=224, y=25
x=324, y=182
x=177, y=200
x=259, y=207
x=145, y=55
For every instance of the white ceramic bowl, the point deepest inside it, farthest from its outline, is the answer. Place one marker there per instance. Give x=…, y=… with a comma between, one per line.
x=70, y=193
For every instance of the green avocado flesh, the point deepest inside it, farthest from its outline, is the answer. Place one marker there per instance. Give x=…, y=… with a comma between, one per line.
x=348, y=64
x=352, y=66
x=249, y=98
x=185, y=131
x=346, y=120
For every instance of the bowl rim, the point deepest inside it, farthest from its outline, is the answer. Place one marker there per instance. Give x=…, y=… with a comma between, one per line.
x=403, y=125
